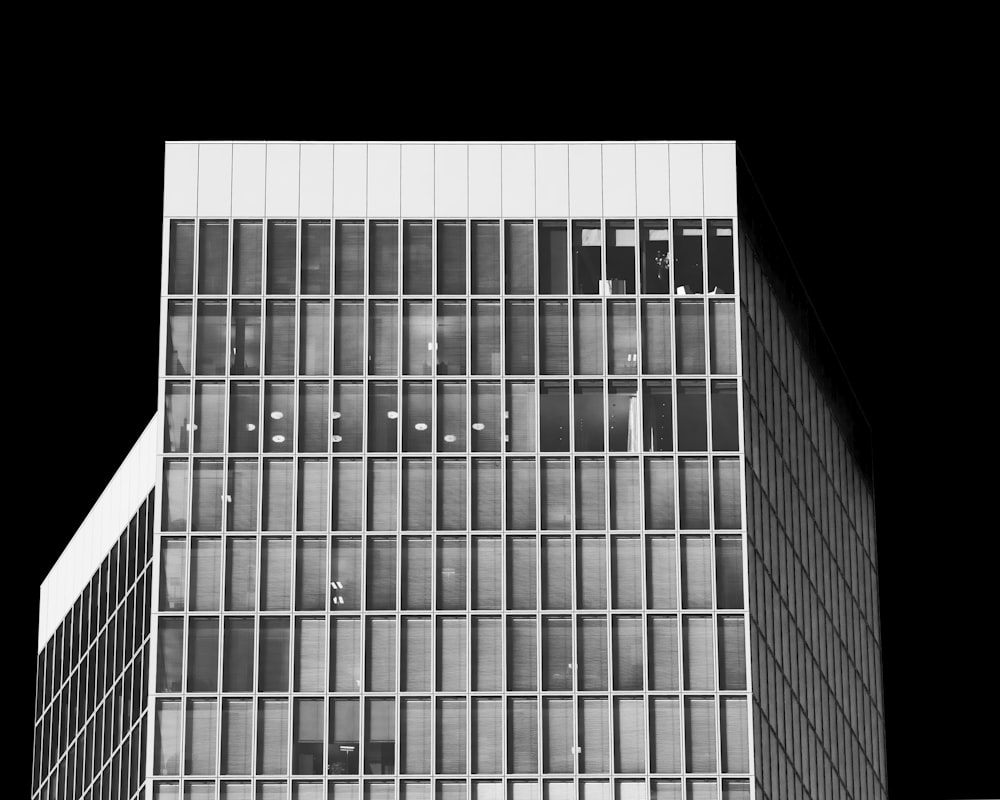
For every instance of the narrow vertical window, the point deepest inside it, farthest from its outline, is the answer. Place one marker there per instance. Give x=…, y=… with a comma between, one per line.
x=307, y=737
x=244, y=338
x=206, y=495
x=522, y=564
x=345, y=655
x=272, y=665
x=347, y=491
x=588, y=415
x=383, y=414
x=210, y=358
x=623, y=417
x=417, y=273
x=199, y=740
x=346, y=417
x=416, y=741
x=206, y=578
x=721, y=275
x=626, y=639
x=383, y=333
x=344, y=727
x=315, y=256
x=380, y=654
x=279, y=416
x=626, y=572
x=623, y=349
x=451, y=739
x=272, y=737
x=213, y=256
x=244, y=416
x=383, y=260
x=521, y=416
x=418, y=338
x=452, y=495
x=661, y=636
x=248, y=250
x=519, y=358
x=237, y=737
x=732, y=654
x=587, y=257
x=277, y=499
x=173, y=558
x=180, y=271
x=452, y=423
x=557, y=740
x=350, y=258
x=522, y=735
x=487, y=572
x=486, y=503
x=519, y=269
x=310, y=574
x=167, y=738
x=592, y=648
x=655, y=256
x=591, y=574
x=593, y=736
x=381, y=566
x=665, y=737
x=451, y=261
x=487, y=736
x=591, y=480
x=659, y=491
x=416, y=494
x=553, y=346
x=722, y=323
x=415, y=658
x=694, y=493
x=383, y=478
x=486, y=654
x=726, y=493
x=692, y=423
x=690, y=324
x=451, y=649
x=451, y=338
x=552, y=257
x=276, y=574
x=179, y=338
x=485, y=244
x=553, y=420
x=630, y=734
x=418, y=427
x=555, y=494
x=696, y=572
x=729, y=571
x=170, y=647
x=699, y=728
x=416, y=573
x=688, y=277
x=625, y=490
x=314, y=417
x=281, y=236
x=620, y=272
x=348, y=337
x=485, y=338
x=521, y=501
x=203, y=654
x=588, y=337
x=725, y=416
x=314, y=342
x=699, y=654
x=656, y=336
x=557, y=653
x=380, y=739
x=237, y=654
x=177, y=417
x=279, y=352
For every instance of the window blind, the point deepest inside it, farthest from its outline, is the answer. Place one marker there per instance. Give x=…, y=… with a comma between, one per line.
x=487, y=736
x=699, y=654
x=315, y=257
x=417, y=274
x=593, y=735
x=624, y=490
x=380, y=655
x=451, y=585
x=416, y=655
x=665, y=734
x=348, y=486
x=626, y=572
x=307, y=737
x=237, y=654
x=552, y=260
x=310, y=574
x=696, y=572
x=732, y=653
x=729, y=571
x=248, y=249
x=276, y=574
x=591, y=575
x=416, y=738
x=209, y=416
x=383, y=264
x=694, y=493
x=314, y=417
x=451, y=338
x=521, y=655
x=485, y=416
x=242, y=498
x=520, y=337
x=416, y=573
x=735, y=743
x=699, y=729
x=213, y=256
x=519, y=248
x=279, y=351
x=725, y=416
x=381, y=723
x=626, y=633
x=554, y=337
x=522, y=563
x=210, y=356
x=521, y=416
x=272, y=737
x=181, y=265
x=592, y=646
x=622, y=346
x=451, y=648
x=722, y=325
x=451, y=728
x=588, y=338
x=383, y=330
x=451, y=268
x=416, y=494
x=303, y=791
x=486, y=498
x=348, y=337
x=350, y=258
x=630, y=735
x=347, y=416
x=656, y=330
x=199, y=740
x=179, y=338
x=522, y=734
x=381, y=583
x=418, y=338
x=487, y=657
x=590, y=483
x=344, y=729
x=314, y=356
x=173, y=560
x=659, y=487
x=452, y=423
x=169, y=653
x=690, y=337
x=661, y=633
x=557, y=739
x=727, y=493
x=383, y=481
x=345, y=573
x=485, y=338
x=281, y=235
x=206, y=565
x=345, y=654
x=313, y=513
x=167, y=741
x=555, y=488
x=487, y=571
x=557, y=655
x=692, y=421
x=237, y=737
x=175, y=491
x=520, y=494
x=244, y=342
x=203, y=654
x=272, y=667
x=556, y=572
x=485, y=243
x=657, y=416
x=206, y=495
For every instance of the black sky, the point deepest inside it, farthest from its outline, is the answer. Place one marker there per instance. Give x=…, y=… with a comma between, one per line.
x=83, y=322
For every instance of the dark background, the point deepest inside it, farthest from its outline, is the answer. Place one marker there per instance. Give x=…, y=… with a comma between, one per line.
x=856, y=208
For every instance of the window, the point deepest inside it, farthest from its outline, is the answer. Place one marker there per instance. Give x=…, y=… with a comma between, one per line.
x=210, y=356
x=654, y=258
x=520, y=257
x=180, y=271
x=553, y=334
x=721, y=277
x=521, y=654
x=277, y=500
x=451, y=338
x=688, y=257
x=418, y=342
x=522, y=734
x=315, y=257
x=238, y=654
x=485, y=246
x=350, y=257
x=272, y=667
x=244, y=338
x=380, y=744
x=519, y=358
x=383, y=264
x=587, y=257
x=314, y=341
x=661, y=635
x=281, y=236
x=179, y=338
x=345, y=727
x=348, y=337
x=588, y=337
x=279, y=351
x=552, y=257
x=314, y=417
x=623, y=349
x=451, y=261
x=557, y=653
x=620, y=271
x=279, y=416
x=417, y=249
x=383, y=331
x=555, y=494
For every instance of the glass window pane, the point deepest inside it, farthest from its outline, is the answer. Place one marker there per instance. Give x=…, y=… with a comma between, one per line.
x=211, y=338
x=626, y=635
x=276, y=574
x=383, y=262
x=381, y=566
x=519, y=250
x=347, y=491
x=170, y=649
x=314, y=417
x=623, y=349
x=519, y=327
x=310, y=574
x=380, y=738
x=625, y=502
x=348, y=337
x=485, y=245
x=721, y=275
x=592, y=648
x=173, y=557
x=279, y=416
x=485, y=338
x=345, y=655
x=180, y=272
x=522, y=561
x=722, y=322
x=237, y=737
x=244, y=416
x=418, y=338
x=521, y=502
x=659, y=489
x=487, y=570
x=587, y=257
x=699, y=654
x=203, y=654
x=199, y=739
x=213, y=256
x=177, y=417
x=696, y=572
x=415, y=658
x=416, y=499
x=620, y=272
x=554, y=416
x=314, y=355
x=688, y=257
x=451, y=268
x=725, y=416
x=451, y=338
x=237, y=654
x=623, y=417
x=657, y=416
x=521, y=416
x=342, y=756
x=206, y=495
x=591, y=480
x=272, y=737
x=735, y=739
x=656, y=335
x=179, y=338
x=272, y=668
x=557, y=739
x=486, y=502
x=313, y=513
x=350, y=257
x=347, y=416
x=630, y=735
x=588, y=415
x=316, y=256
x=417, y=273
x=557, y=654
x=694, y=493
x=487, y=660
x=383, y=483
x=383, y=415
x=307, y=737
x=593, y=738
x=451, y=649
x=244, y=338
x=206, y=565
x=553, y=334
x=345, y=574
x=588, y=337
x=727, y=493
x=521, y=654
x=552, y=257
x=451, y=726
x=661, y=633
x=281, y=235
x=591, y=577
x=416, y=573
x=487, y=735
x=692, y=423
x=690, y=324
x=732, y=654
x=380, y=654
x=416, y=739
x=279, y=352
x=167, y=741
x=555, y=489
x=383, y=333
x=729, y=571
x=418, y=429
x=522, y=735
x=665, y=735
x=248, y=249
x=451, y=581
x=699, y=728
x=277, y=500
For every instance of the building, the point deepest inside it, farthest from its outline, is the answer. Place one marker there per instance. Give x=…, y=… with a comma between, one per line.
x=480, y=470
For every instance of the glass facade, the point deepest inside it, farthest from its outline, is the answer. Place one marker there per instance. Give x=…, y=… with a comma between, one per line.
x=91, y=693
x=451, y=507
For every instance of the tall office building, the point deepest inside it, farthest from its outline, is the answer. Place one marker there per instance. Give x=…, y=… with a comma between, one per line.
x=480, y=470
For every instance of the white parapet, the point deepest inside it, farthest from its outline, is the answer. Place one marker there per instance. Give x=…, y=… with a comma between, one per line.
x=93, y=540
